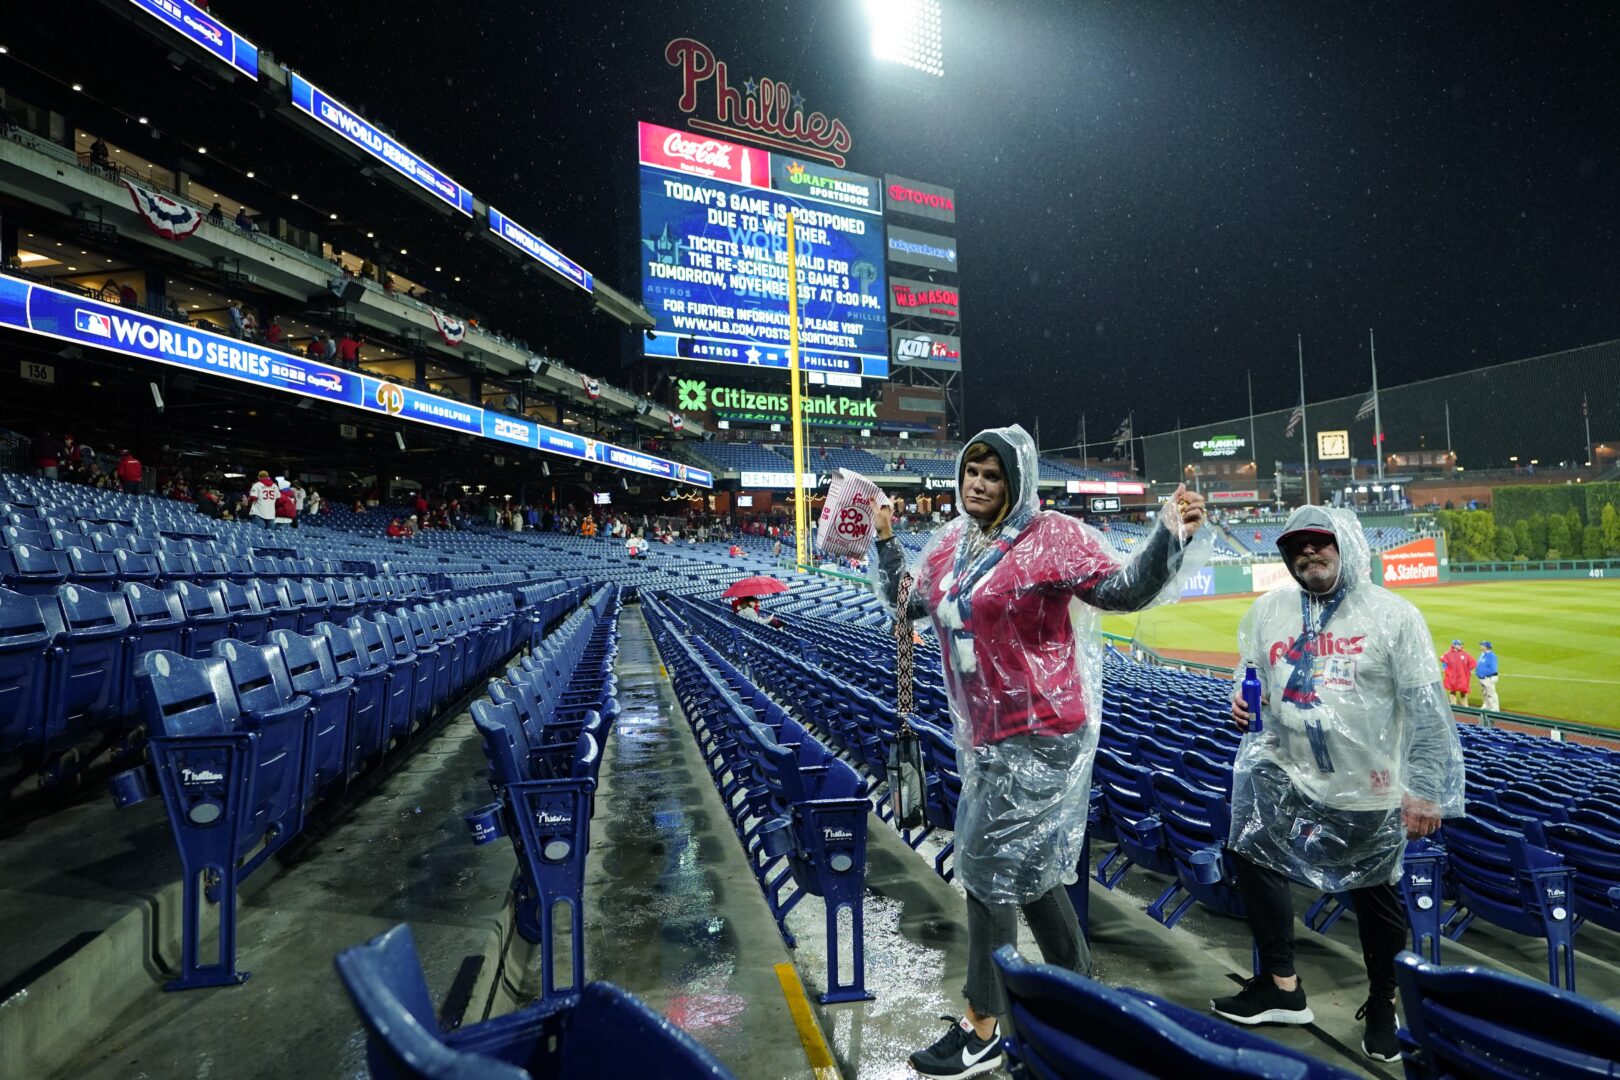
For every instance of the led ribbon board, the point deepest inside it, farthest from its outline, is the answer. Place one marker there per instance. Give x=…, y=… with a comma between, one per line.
x=714, y=257
x=40, y=309
x=538, y=250
x=206, y=32
x=333, y=115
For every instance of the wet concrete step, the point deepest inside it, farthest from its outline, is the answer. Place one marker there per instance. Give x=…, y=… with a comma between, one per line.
x=672, y=912
x=402, y=855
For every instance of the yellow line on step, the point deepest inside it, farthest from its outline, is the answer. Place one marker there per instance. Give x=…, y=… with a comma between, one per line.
x=815, y=1047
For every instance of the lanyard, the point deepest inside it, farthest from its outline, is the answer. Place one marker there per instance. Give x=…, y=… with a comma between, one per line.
x=1301, y=689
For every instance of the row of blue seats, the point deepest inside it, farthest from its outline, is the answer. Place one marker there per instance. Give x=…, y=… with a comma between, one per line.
x=543, y=735
x=68, y=655
x=243, y=743
x=1463, y=1022
x=799, y=811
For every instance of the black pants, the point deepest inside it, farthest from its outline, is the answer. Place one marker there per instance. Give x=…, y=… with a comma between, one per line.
x=1380, y=916
x=990, y=926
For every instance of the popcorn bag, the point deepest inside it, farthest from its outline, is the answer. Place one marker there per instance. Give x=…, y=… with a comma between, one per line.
x=846, y=526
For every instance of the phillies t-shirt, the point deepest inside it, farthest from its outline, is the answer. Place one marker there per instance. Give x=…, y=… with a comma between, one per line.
x=1348, y=750
x=264, y=499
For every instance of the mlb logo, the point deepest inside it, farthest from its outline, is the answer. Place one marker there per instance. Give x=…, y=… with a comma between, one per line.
x=88, y=322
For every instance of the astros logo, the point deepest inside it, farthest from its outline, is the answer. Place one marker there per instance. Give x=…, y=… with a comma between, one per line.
x=391, y=398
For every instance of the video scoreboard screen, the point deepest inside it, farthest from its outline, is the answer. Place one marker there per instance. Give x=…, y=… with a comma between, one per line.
x=714, y=257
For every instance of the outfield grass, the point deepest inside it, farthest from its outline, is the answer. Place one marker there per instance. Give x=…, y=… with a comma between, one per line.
x=1559, y=641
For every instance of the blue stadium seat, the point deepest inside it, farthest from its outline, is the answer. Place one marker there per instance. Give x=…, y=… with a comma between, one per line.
x=29, y=627
x=1062, y=1025
x=368, y=724
x=601, y=1031
x=314, y=674
x=1489, y=1025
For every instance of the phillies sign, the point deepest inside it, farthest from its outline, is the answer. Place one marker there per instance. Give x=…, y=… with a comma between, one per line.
x=763, y=111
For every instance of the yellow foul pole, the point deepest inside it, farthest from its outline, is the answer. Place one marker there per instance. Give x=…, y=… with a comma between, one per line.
x=801, y=503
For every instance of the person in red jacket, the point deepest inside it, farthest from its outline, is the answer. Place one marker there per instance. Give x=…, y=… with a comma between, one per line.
x=128, y=472
x=1459, y=673
x=1011, y=591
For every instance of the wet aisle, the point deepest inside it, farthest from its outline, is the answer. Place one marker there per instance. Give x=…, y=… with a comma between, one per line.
x=672, y=911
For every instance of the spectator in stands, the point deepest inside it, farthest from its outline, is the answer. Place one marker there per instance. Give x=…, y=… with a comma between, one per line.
x=412, y=526
x=1459, y=672
x=1359, y=753
x=98, y=155
x=47, y=453
x=172, y=310
x=396, y=528
x=300, y=499
x=273, y=334
x=587, y=527
x=316, y=349
x=1486, y=669
x=368, y=269
x=216, y=216
x=129, y=472
x=262, y=500
x=636, y=547
x=286, y=506
x=314, y=502
x=84, y=462
x=1001, y=585
x=348, y=351
x=234, y=310
x=250, y=326
x=244, y=222
x=390, y=286
x=127, y=296
x=747, y=607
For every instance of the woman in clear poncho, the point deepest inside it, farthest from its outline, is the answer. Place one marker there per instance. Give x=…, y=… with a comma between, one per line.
x=1011, y=591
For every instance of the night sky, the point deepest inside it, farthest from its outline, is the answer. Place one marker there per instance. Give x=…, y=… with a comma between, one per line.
x=1152, y=198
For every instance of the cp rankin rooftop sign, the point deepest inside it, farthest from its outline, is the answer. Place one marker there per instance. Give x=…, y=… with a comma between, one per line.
x=764, y=111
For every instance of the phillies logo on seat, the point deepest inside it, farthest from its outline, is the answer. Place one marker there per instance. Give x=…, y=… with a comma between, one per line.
x=1328, y=644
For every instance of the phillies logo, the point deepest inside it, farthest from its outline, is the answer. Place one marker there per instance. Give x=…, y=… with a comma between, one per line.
x=771, y=114
x=1328, y=644
x=391, y=398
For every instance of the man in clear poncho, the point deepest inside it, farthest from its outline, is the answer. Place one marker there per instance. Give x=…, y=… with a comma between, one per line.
x=1011, y=591
x=1358, y=753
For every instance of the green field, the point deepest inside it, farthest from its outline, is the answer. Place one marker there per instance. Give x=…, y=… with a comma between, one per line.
x=1559, y=641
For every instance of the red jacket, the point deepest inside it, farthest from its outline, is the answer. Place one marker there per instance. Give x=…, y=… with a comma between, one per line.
x=129, y=470
x=1026, y=679
x=1459, y=670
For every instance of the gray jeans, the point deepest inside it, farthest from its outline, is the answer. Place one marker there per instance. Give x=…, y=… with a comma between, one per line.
x=990, y=926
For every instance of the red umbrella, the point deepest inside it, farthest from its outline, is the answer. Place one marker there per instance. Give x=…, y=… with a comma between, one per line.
x=754, y=586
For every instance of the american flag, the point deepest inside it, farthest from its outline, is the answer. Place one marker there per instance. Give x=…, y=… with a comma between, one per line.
x=1367, y=407
x=1295, y=418
x=1123, y=435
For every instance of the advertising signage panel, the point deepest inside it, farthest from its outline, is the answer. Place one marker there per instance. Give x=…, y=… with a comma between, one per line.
x=538, y=250
x=339, y=118
x=822, y=183
x=902, y=196
x=50, y=312
x=206, y=32
x=714, y=261
x=922, y=299
x=922, y=249
x=918, y=348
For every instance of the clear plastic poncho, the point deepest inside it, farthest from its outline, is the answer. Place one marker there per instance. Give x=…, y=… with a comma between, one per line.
x=1356, y=725
x=1015, y=609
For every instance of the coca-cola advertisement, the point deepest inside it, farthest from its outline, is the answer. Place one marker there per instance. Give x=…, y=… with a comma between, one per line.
x=704, y=155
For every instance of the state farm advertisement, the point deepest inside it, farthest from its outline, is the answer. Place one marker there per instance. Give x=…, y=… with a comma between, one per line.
x=1414, y=563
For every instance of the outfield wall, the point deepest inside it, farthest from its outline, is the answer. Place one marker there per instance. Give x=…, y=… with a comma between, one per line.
x=1550, y=570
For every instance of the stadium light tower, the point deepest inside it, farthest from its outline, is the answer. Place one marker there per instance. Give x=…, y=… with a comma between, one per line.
x=907, y=32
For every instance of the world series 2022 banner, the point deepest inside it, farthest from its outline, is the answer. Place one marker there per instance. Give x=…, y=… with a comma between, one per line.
x=714, y=257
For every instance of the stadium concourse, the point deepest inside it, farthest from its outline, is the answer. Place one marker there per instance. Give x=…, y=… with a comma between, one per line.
x=687, y=794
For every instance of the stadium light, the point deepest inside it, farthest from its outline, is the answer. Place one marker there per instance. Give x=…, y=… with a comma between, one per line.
x=907, y=32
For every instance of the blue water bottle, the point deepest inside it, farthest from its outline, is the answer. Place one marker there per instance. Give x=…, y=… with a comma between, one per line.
x=1251, y=699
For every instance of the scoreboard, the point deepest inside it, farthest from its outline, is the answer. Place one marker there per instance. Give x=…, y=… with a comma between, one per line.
x=714, y=257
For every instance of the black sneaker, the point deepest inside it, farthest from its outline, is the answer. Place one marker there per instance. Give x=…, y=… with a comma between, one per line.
x=959, y=1052
x=1262, y=1001
x=1379, y=1041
